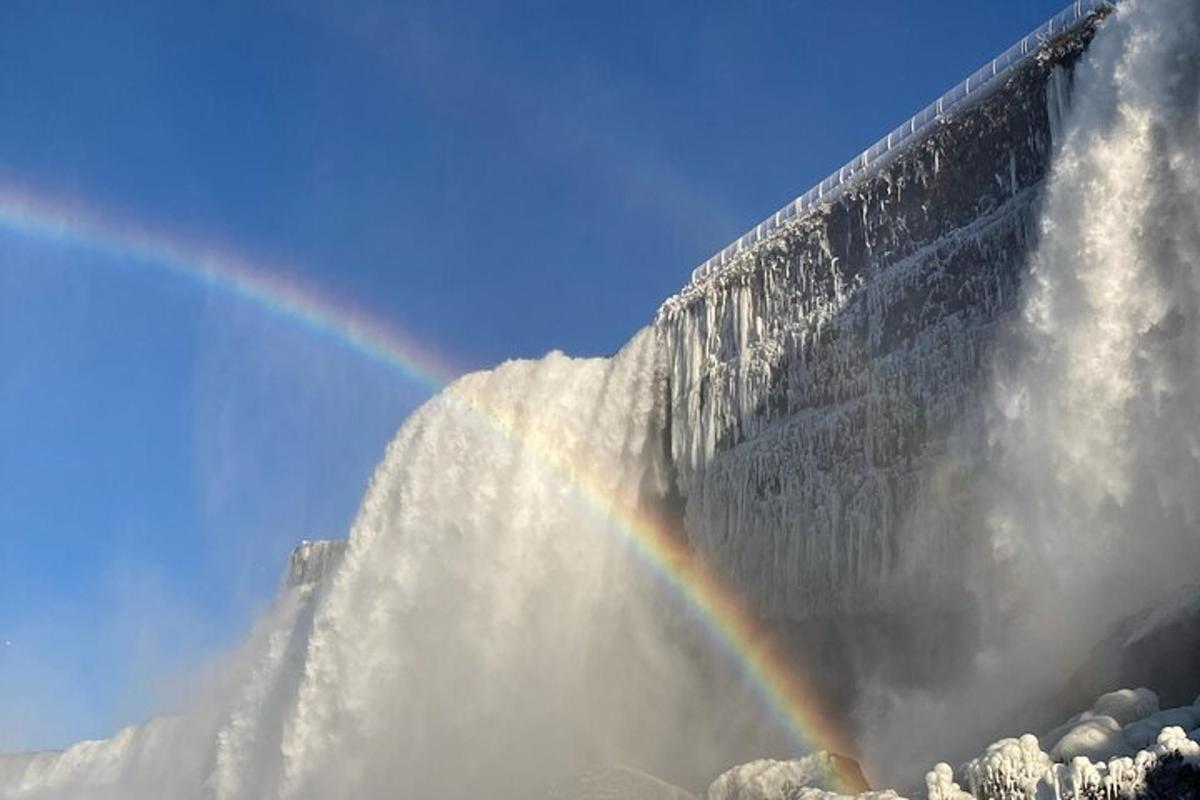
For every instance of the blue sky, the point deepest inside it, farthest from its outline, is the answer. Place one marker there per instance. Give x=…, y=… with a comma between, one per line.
x=496, y=179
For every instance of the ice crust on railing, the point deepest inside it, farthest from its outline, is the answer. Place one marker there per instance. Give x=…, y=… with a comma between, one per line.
x=970, y=91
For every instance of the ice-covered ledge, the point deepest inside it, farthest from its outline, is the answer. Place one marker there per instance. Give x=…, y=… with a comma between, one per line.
x=1043, y=43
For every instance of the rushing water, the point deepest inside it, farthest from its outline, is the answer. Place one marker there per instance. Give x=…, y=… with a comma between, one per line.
x=490, y=630
x=1091, y=487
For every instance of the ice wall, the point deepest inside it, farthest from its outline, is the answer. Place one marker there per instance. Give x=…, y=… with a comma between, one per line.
x=815, y=382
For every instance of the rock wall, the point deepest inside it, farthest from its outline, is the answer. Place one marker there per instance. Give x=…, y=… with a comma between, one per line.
x=815, y=385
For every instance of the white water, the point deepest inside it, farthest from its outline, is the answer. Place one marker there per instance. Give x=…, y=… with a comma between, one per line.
x=1096, y=429
x=489, y=632
x=1092, y=484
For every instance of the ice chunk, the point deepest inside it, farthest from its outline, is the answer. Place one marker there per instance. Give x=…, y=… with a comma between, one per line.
x=1126, y=705
x=1096, y=738
x=1144, y=733
x=821, y=775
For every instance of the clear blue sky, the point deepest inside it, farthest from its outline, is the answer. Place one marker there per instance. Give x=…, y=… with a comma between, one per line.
x=499, y=179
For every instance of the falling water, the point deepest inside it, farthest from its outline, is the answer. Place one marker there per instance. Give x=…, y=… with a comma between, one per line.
x=1096, y=431
x=1091, y=478
x=490, y=630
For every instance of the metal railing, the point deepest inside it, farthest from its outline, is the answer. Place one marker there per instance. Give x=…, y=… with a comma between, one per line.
x=965, y=94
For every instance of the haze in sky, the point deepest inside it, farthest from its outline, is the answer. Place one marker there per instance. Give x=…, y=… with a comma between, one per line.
x=494, y=180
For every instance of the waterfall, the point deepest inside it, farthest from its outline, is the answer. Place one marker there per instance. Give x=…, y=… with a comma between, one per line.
x=463, y=647
x=1089, y=490
x=489, y=630
x=1095, y=435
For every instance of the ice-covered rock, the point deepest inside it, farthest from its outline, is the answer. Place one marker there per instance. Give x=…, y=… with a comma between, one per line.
x=941, y=785
x=818, y=775
x=314, y=560
x=1145, y=732
x=1149, y=757
x=1096, y=737
x=1126, y=705
x=815, y=381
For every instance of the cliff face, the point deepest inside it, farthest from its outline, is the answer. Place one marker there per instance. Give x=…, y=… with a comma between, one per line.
x=814, y=385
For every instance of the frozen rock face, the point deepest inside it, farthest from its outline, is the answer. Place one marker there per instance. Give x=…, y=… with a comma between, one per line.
x=814, y=382
x=313, y=561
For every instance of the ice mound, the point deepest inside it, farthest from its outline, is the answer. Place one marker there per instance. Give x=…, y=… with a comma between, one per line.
x=821, y=776
x=1126, y=705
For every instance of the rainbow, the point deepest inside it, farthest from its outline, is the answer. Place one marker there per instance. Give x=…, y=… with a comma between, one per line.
x=212, y=266
x=782, y=685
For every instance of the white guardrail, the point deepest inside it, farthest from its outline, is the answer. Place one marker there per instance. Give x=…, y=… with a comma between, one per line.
x=957, y=99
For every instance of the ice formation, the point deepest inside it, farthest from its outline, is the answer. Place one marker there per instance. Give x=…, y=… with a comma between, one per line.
x=1150, y=753
x=820, y=776
x=815, y=382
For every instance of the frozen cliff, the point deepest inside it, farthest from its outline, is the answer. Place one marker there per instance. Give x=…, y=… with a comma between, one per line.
x=815, y=381
x=941, y=427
